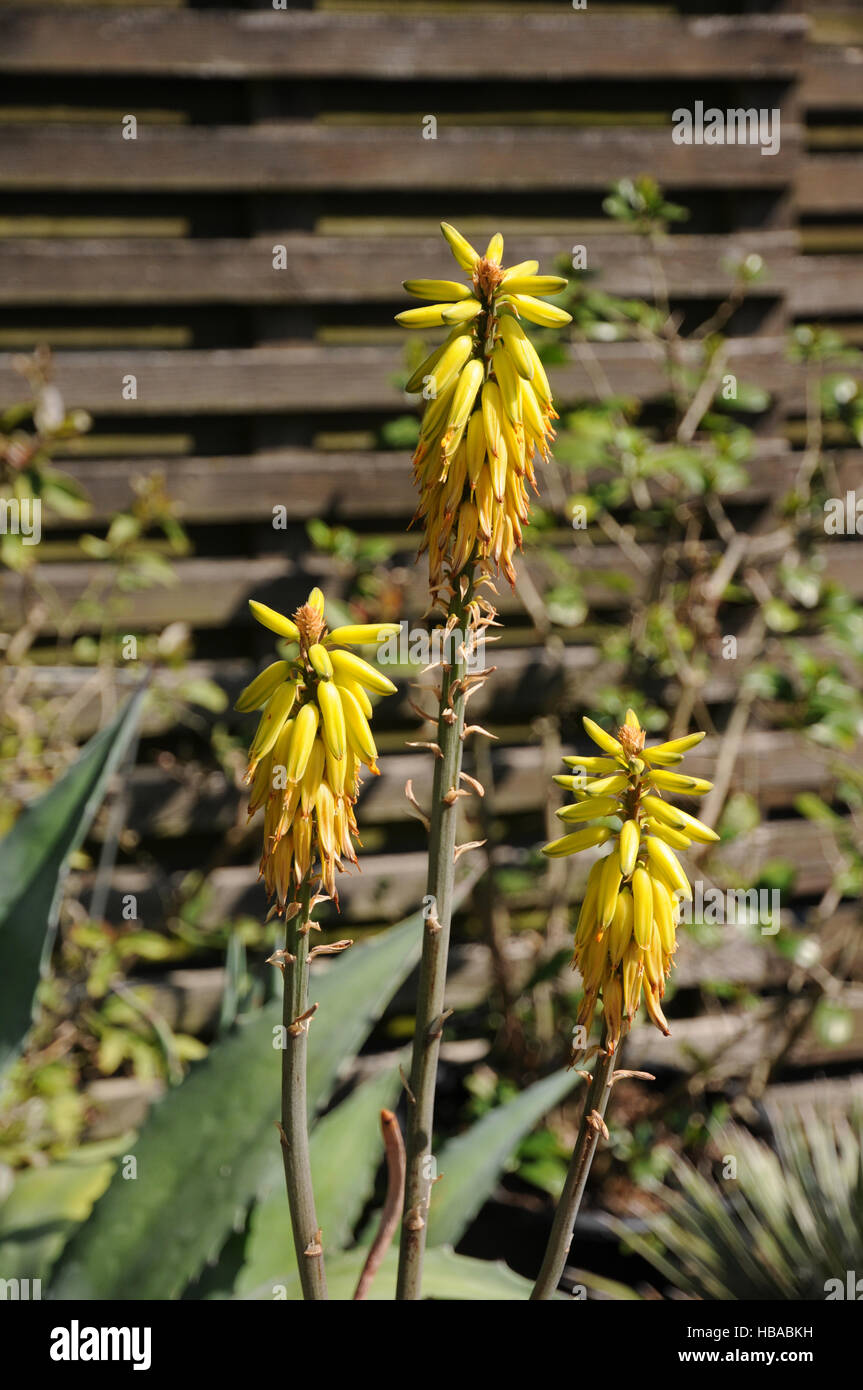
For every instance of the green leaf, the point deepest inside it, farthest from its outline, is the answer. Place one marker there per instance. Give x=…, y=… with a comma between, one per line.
x=43, y=1206
x=346, y=1151
x=471, y=1164
x=33, y=863
x=210, y=1146
x=445, y=1276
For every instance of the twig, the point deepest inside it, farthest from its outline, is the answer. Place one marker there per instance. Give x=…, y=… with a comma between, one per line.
x=394, y=1151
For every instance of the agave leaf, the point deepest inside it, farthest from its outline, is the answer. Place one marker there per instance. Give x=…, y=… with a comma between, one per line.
x=471, y=1164
x=210, y=1146
x=33, y=864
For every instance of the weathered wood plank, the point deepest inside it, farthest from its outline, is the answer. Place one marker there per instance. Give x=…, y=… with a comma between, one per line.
x=830, y=183
x=832, y=77
x=772, y=767
x=227, y=487
x=213, y=593
x=215, y=44
x=391, y=885
x=528, y=681
x=301, y=378
x=828, y=284
x=336, y=270
x=304, y=157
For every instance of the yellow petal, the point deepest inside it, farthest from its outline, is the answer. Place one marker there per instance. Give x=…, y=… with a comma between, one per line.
x=276, y=622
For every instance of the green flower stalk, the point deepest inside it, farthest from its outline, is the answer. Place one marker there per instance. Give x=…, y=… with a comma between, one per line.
x=312, y=739
x=489, y=412
x=625, y=936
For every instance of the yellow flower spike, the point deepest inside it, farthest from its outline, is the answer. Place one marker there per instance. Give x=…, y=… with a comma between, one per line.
x=642, y=899
x=347, y=665
x=630, y=839
x=601, y=738
x=625, y=938
x=258, y=692
x=478, y=518
x=361, y=634
x=276, y=622
x=333, y=717
x=302, y=768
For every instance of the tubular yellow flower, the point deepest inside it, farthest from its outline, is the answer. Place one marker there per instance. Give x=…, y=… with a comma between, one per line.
x=473, y=478
x=625, y=936
x=312, y=740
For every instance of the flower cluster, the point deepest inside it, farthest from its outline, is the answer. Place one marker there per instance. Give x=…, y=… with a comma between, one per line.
x=312, y=739
x=490, y=407
x=626, y=932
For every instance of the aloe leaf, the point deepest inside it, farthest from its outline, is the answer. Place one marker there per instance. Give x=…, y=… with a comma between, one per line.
x=33, y=864
x=471, y=1164
x=210, y=1145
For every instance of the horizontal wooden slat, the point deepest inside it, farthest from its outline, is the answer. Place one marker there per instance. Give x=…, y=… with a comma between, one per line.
x=212, y=593
x=397, y=47
x=828, y=285
x=528, y=681
x=299, y=378
x=833, y=77
x=830, y=184
x=301, y=156
x=391, y=885
x=772, y=767
x=336, y=270
x=326, y=484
